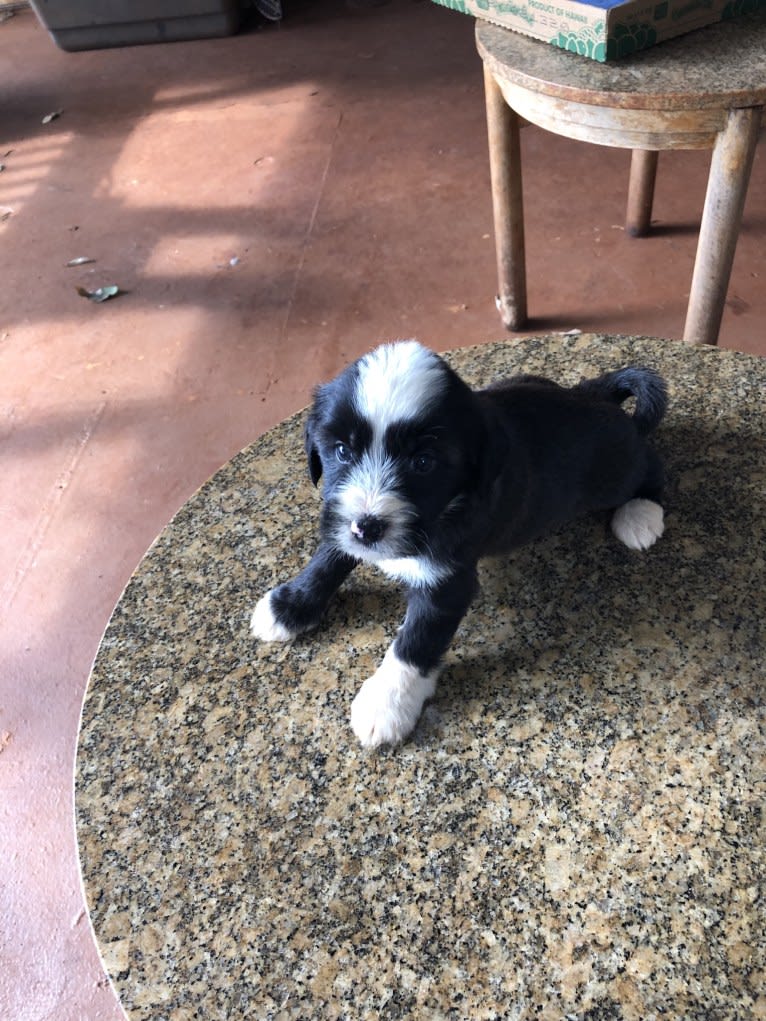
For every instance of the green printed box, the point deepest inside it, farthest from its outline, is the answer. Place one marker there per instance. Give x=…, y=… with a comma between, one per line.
x=603, y=29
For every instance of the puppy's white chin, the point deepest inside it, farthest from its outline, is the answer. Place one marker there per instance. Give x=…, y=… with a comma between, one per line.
x=264, y=625
x=392, y=544
x=389, y=703
x=638, y=523
x=357, y=550
x=380, y=552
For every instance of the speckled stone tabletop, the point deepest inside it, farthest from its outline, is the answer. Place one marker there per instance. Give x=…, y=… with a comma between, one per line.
x=575, y=829
x=721, y=64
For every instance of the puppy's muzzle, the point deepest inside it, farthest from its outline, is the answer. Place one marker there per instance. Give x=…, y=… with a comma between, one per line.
x=369, y=529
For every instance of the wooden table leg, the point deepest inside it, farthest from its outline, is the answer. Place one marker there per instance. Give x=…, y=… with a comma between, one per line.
x=508, y=211
x=643, y=171
x=721, y=218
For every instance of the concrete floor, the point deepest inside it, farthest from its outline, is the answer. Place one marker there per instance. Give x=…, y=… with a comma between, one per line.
x=272, y=204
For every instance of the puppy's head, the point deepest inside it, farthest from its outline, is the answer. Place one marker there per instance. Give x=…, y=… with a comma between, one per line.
x=395, y=436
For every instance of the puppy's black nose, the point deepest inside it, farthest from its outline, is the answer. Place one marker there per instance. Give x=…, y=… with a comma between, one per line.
x=368, y=529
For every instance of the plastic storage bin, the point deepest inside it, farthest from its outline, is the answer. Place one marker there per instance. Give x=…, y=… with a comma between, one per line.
x=94, y=24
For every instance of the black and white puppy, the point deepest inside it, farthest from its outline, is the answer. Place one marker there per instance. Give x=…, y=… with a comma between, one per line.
x=423, y=476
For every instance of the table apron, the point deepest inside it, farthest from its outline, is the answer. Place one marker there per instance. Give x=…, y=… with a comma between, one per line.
x=615, y=126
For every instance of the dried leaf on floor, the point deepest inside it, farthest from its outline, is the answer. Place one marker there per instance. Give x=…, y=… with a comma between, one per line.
x=101, y=293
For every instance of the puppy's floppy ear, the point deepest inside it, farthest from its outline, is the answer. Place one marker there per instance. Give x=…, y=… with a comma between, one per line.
x=312, y=451
x=310, y=437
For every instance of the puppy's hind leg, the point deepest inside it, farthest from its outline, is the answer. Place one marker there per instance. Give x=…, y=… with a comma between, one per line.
x=640, y=522
x=298, y=605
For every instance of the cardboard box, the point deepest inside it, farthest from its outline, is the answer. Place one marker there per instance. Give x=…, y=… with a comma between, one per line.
x=93, y=24
x=603, y=29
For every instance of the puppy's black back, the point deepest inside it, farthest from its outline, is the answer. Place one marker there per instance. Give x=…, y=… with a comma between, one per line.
x=561, y=452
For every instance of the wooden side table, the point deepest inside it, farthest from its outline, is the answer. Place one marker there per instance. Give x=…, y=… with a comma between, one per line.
x=702, y=90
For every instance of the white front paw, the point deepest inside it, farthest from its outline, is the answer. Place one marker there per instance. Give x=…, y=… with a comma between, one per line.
x=264, y=624
x=389, y=703
x=638, y=523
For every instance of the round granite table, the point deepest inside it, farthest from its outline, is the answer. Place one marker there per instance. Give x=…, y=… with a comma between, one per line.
x=575, y=828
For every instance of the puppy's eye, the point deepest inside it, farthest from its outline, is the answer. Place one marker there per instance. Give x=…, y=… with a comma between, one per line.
x=423, y=463
x=343, y=453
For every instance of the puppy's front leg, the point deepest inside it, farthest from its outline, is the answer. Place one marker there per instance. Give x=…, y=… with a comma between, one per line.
x=389, y=703
x=298, y=605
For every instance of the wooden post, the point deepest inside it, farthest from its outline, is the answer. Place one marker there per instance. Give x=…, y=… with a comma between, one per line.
x=721, y=218
x=643, y=171
x=507, y=207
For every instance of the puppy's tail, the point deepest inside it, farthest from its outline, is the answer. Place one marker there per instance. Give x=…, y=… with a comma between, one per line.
x=646, y=385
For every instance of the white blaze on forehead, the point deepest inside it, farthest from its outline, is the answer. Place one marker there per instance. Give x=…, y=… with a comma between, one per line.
x=398, y=382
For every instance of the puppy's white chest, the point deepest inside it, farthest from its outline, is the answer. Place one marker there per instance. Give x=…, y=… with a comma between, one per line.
x=416, y=571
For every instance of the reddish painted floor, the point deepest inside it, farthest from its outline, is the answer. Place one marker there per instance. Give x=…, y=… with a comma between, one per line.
x=272, y=204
